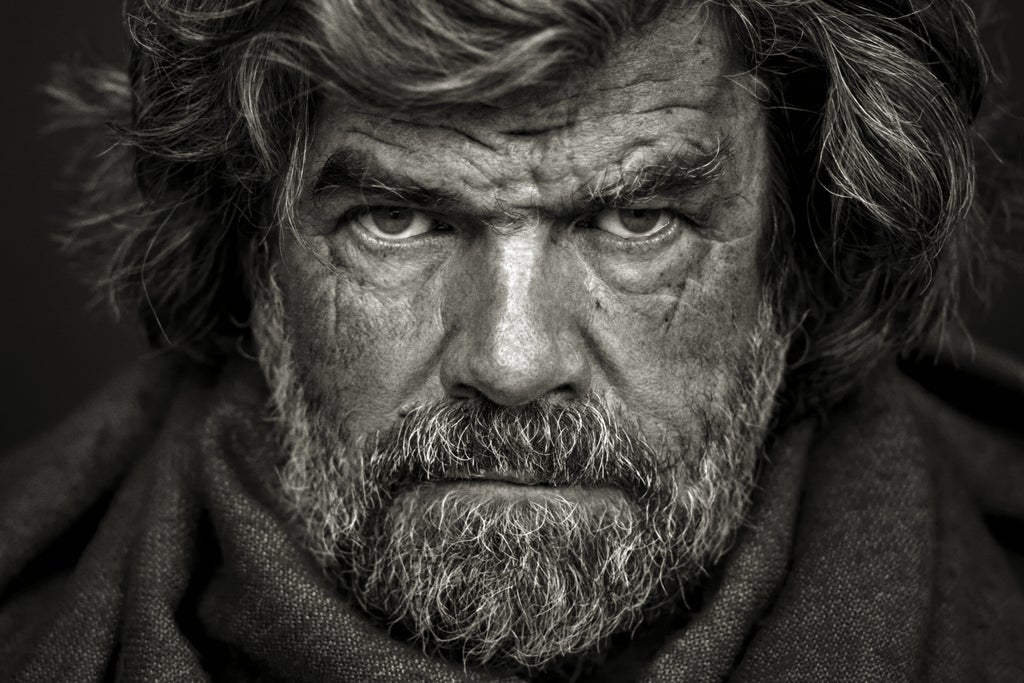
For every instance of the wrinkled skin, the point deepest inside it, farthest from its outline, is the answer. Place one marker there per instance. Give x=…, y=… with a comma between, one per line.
x=520, y=294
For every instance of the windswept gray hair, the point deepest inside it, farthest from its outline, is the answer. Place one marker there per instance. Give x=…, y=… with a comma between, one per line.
x=871, y=103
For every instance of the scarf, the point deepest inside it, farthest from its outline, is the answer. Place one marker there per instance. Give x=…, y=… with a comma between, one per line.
x=142, y=540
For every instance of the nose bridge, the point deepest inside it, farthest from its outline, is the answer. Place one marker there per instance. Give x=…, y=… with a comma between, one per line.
x=516, y=343
x=518, y=328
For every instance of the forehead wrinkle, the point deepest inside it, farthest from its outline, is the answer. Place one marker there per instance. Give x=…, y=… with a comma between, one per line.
x=499, y=130
x=664, y=175
x=506, y=194
x=490, y=144
x=475, y=158
x=501, y=173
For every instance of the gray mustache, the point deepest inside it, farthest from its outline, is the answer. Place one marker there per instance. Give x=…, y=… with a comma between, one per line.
x=579, y=443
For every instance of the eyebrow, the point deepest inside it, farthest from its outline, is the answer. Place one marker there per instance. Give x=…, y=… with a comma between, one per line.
x=357, y=172
x=677, y=173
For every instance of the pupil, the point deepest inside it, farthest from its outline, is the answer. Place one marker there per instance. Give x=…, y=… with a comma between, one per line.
x=393, y=220
x=640, y=220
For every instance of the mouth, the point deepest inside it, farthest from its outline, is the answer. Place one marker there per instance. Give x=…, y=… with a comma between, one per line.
x=510, y=489
x=515, y=478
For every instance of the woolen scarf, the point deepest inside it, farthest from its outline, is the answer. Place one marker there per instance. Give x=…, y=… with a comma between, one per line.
x=143, y=540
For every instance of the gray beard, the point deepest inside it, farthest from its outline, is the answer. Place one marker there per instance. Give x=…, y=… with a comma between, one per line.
x=521, y=583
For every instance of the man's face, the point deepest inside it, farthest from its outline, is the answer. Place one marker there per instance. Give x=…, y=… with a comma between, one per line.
x=468, y=287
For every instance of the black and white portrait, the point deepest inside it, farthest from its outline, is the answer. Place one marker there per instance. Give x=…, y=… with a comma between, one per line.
x=498, y=340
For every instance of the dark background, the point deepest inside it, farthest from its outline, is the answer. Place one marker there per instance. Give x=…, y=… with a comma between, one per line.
x=56, y=348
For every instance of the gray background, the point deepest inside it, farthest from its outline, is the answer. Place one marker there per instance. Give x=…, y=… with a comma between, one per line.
x=56, y=348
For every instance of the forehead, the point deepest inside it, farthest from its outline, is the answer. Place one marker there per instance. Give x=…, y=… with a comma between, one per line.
x=673, y=87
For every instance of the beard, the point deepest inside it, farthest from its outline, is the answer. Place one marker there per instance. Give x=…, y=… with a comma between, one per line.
x=608, y=531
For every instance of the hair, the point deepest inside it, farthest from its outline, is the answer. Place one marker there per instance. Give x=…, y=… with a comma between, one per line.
x=870, y=102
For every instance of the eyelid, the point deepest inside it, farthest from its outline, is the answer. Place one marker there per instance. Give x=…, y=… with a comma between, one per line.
x=358, y=215
x=695, y=212
x=666, y=218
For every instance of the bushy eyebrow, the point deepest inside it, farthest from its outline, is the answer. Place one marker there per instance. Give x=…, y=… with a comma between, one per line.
x=677, y=174
x=357, y=172
x=674, y=174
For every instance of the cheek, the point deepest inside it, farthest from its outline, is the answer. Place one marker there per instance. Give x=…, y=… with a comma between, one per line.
x=675, y=345
x=362, y=350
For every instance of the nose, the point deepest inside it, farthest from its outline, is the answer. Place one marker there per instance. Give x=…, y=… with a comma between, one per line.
x=514, y=338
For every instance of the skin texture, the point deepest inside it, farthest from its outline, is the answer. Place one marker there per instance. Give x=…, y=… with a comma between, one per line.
x=521, y=295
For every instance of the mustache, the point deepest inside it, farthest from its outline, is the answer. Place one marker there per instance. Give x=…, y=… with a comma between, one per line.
x=582, y=443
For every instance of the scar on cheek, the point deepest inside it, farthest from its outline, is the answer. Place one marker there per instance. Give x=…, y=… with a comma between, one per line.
x=689, y=264
x=677, y=303
x=671, y=281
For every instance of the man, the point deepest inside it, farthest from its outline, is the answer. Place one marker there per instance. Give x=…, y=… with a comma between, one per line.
x=551, y=340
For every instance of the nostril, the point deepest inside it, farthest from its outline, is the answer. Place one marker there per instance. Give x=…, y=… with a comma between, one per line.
x=463, y=391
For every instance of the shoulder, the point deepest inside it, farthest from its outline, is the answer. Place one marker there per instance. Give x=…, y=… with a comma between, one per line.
x=964, y=412
x=907, y=547
x=52, y=483
x=127, y=410
x=57, y=491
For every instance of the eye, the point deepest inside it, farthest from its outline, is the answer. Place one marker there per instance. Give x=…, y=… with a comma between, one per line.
x=394, y=222
x=633, y=223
